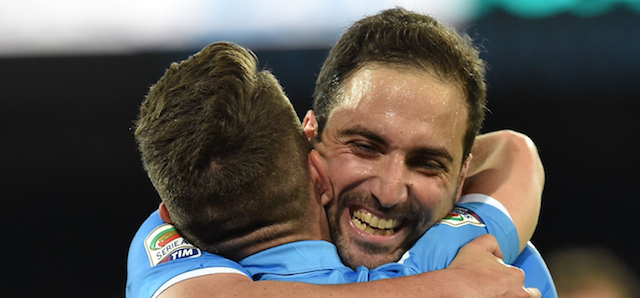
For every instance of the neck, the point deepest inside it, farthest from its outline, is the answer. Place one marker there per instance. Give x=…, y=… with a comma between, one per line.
x=274, y=235
x=313, y=227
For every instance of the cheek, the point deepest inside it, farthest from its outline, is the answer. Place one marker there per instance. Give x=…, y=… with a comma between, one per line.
x=348, y=169
x=436, y=198
x=431, y=193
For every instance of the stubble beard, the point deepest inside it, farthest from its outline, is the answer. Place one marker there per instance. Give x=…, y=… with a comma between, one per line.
x=355, y=252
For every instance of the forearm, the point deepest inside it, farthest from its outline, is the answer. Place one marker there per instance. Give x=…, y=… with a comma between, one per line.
x=440, y=283
x=431, y=284
x=507, y=167
x=475, y=272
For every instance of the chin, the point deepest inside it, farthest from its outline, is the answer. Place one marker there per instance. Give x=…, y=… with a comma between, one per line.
x=372, y=262
x=367, y=256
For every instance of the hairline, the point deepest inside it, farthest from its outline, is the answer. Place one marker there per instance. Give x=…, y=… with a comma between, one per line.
x=338, y=100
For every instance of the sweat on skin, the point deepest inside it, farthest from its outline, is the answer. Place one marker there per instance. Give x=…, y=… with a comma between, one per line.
x=394, y=152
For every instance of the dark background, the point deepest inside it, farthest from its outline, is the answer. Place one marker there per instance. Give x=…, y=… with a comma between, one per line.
x=74, y=193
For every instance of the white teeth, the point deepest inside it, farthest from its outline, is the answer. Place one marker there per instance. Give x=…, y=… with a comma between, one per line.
x=374, y=222
x=371, y=224
x=390, y=224
x=382, y=224
x=366, y=217
x=359, y=224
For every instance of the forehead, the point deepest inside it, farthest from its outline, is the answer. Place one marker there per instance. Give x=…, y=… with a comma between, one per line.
x=402, y=105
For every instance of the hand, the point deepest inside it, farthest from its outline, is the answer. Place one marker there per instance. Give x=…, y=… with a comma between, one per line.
x=482, y=273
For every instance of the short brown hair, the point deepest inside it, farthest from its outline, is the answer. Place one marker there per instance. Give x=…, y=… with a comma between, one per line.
x=417, y=41
x=224, y=148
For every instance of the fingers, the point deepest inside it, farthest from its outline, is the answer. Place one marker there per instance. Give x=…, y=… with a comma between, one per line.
x=480, y=268
x=533, y=292
x=489, y=243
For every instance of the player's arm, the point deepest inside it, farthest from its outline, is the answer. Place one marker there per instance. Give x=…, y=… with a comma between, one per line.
x=506, y=166
x=476, y=272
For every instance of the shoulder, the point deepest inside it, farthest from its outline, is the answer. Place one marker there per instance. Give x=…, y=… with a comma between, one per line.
x=159, y=257
x=472, y=216
x=537, y=274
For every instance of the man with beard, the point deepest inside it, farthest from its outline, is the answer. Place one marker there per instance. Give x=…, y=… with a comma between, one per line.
x=435, y=163
x=396, y=119
x=399, y=101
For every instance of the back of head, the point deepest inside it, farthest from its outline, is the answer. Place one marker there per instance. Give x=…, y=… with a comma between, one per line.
x=225, y=150
x=412, y=40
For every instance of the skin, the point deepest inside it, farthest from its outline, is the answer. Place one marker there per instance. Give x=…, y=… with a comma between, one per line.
x=393, y=150
x=468, y=275
x=506, y=166
x=362, y=149
x=477, y=270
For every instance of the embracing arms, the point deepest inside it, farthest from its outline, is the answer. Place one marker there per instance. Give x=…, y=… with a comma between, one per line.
x=476, y=272
x=507, y=167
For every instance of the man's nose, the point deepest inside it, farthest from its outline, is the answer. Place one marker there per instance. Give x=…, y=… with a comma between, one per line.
x=393, y=178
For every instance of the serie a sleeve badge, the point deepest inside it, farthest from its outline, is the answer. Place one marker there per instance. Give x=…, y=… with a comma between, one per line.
x=164, y=244
x=462, y=216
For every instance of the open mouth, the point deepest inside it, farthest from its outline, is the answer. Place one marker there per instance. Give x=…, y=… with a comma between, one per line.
x=372, y=224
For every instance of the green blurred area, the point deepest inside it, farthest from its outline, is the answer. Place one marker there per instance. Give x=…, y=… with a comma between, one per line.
x=547, y=8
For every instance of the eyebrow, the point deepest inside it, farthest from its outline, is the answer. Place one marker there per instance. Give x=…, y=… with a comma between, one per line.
x=441, y=152
x=422, y=151
x=358, y=131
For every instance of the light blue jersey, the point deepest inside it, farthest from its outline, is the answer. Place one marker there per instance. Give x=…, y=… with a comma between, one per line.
x=318, y=261
x=473, y=216
x=311, y=261
x=158, y=258
x=537, y=274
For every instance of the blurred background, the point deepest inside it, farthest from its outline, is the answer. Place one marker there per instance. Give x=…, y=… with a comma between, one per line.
x=73, y=73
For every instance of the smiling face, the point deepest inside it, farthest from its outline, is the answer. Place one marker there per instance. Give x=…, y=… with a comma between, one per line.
x=394, y=154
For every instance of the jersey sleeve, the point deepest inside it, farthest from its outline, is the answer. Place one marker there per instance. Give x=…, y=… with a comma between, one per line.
x=497, y=221
x=473, y=216
x=158, y=258
x=537, y=273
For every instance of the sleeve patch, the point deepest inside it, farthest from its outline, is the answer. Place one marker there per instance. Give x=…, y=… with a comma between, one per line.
x=462, y=216
x=164, y=244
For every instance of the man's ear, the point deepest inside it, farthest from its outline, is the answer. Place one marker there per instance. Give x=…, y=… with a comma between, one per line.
x=463, y=176
x=310, y=125
x=320, y=177
x=164, y=213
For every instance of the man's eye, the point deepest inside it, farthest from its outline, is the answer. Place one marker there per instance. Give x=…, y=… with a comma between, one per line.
x=427, y=165
x=363, y=148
